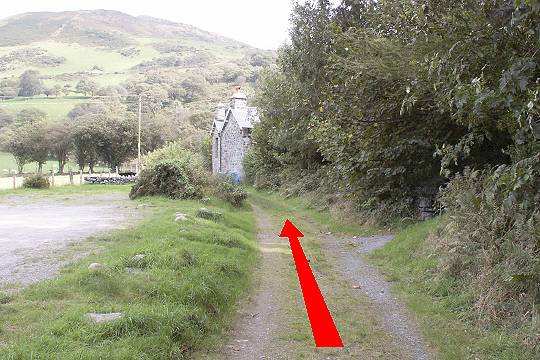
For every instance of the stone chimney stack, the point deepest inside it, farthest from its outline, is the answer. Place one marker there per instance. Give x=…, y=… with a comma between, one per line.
x=238, y=99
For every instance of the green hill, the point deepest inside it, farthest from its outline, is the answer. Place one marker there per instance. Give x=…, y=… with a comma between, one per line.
x=110, y=48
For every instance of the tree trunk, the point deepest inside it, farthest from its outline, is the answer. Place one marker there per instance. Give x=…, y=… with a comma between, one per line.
x=61, y=165
x=40, y=168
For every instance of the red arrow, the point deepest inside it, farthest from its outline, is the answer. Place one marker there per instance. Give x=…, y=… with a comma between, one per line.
x=322, y=325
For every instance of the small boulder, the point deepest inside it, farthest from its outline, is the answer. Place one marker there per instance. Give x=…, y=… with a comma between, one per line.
x=96, y=267
x=138, y=258
x=101, y=318
x=180, y=217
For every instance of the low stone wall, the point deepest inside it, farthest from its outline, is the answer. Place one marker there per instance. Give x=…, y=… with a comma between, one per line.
x=112, y=180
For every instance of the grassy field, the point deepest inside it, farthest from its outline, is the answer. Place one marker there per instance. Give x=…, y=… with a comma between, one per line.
x=55, y=109
x=175, y=301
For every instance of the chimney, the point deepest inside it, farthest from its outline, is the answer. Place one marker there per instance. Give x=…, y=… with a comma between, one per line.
x=238, y=99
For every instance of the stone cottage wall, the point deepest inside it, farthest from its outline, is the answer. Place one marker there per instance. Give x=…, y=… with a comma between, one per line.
x=215, y=152
x=234, y=144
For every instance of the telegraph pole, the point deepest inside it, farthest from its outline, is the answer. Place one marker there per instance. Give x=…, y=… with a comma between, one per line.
x=139, y=137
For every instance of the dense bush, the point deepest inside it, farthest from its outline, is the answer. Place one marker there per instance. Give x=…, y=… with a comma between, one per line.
x=232, y=193
x=385, y=102
x=173, y=178
x=490, y=244
x=37, y=181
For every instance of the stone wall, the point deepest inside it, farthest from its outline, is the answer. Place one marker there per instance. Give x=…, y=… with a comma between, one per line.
x=215, y=152
x=233, y=148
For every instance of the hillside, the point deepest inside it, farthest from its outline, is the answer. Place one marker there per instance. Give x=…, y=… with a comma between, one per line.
x=181, y=71
x=110, y=47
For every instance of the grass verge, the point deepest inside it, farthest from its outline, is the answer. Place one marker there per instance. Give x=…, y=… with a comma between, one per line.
x=175, y=300
x=442, y=315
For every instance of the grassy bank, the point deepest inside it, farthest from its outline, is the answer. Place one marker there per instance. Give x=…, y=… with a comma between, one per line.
x=174, y=301
x=442, y=315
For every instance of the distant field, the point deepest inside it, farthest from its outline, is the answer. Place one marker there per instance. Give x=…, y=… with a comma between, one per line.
x=55, y=108
x=7, y=162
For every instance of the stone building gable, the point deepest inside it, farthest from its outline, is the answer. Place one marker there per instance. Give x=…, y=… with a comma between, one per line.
x=231, y=136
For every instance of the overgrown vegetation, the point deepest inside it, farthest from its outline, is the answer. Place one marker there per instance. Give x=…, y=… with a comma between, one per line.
x=384, y=103
x=36, y=181
x=178, y=173
x=176, y=299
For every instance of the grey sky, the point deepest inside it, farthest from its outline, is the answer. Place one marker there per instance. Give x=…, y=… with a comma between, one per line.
x=262, y=23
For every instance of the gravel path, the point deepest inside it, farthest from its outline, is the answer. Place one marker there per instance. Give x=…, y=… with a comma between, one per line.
x=254, y=334
x=394, y=317
x=35, y=232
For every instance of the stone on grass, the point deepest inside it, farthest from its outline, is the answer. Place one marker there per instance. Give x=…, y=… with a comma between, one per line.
x=101, y=318
x=208, y=214
x=96, y=267
x=180, y=217
x=138, y=258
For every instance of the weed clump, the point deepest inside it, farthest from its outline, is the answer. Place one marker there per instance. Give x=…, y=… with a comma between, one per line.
x=208, y=214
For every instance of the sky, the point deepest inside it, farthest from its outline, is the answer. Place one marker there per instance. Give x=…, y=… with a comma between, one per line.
x=261, y=23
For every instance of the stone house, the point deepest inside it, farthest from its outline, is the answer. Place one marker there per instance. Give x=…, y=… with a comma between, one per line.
x=231, y=135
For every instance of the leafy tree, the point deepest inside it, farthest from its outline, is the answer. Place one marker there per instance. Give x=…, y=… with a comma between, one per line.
x=59, y=136
x=30, y=84
x=87, y=87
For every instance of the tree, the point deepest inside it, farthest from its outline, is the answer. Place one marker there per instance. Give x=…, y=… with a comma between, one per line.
x=86, y=136
x=86, y=87
x=30, y=84
x=60, y=138
x=16, y=142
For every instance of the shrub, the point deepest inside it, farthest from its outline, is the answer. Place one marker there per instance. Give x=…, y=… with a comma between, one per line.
x=37, y=181
x=234, y=194
x=174, y=172
x=207, y=214
x=490, y=243
x=173, y=179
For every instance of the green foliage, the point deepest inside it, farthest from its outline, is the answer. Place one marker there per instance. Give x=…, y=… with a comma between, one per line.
x=208, y=214
x=386, y=102
x=490, y=242
x=30, y=84
x=36, y=181
x=174, y=172
x=173, y=179
x=232, y=193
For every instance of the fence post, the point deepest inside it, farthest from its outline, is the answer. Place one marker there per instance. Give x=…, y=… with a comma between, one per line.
x=52, y=176
x=117, y=170
x=80, y=181
x=70, y=177
x=14, y=181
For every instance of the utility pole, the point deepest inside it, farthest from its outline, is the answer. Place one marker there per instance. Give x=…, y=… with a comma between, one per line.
x=139, y=137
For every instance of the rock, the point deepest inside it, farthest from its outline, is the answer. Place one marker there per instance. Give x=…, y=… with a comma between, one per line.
x=96, y=267
x=356, y=286
x=180, y=217
x=101, y=318
x=114, y=180
x=138, y=258
x=329, y=233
